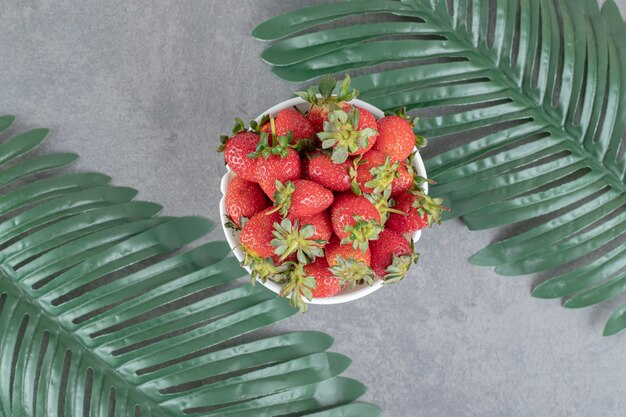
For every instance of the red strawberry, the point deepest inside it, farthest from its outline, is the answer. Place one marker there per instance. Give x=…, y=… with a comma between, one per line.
x=421, y=211
x=348, y=264
x=320, y=106
x=335, y=249
x=291, y=120
x=257, y=234
x=300, y=198
x=326, y=284
x=324, y=171
x=277, y=168
x=392, y=255
x=236, y=150
x=355, y=219
x=321, y=222
x=367, y=121
x=376, y=172
x=348, y=134
x=244, y=199
x=410, y=223
x=256, y=241
x=395, y=137
x=405, y=180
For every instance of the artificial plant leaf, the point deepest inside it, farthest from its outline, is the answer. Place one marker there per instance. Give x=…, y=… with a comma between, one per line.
x=104, y=312
x=538, y=87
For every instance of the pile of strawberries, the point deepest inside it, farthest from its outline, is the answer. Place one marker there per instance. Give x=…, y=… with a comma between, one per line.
x=324, y=199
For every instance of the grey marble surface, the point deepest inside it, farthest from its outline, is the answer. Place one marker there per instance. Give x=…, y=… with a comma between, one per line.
x=143, y=89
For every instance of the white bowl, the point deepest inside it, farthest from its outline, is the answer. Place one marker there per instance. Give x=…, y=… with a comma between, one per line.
x=232, y=237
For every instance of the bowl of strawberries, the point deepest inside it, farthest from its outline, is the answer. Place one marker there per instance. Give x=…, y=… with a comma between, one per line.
x=325, y=196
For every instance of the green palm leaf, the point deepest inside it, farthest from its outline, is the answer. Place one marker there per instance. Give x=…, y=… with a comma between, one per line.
x=104, y=313
x=539, y=89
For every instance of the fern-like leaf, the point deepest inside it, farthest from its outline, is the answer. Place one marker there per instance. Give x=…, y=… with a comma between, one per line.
x=104, y=313
x=538, y=87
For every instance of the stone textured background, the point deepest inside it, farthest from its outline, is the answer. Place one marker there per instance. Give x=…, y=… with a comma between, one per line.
x=142, y=91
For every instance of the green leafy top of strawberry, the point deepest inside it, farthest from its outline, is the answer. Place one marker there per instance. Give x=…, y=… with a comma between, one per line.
x=420, y=141
x=383, y=176
x=351, y=272
x=298, y=285
x=239, y=127
x=341, y=134
x=384, y=204
x=410, y=162
x=401, y=112
x=231, y=224
x=418, y=180
x=301, y=198
x=354, y=170
x=326, y=87
x=280, y=146
x=362, y=232
x=256, y=127
x=400, y=266
x=290, y=239
x=428, y=206
x=282, y=197
x=264, y=269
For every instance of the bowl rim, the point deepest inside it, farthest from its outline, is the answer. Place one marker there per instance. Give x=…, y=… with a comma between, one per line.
x=233, y=238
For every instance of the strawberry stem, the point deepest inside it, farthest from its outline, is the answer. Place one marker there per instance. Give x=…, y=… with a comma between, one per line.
x=273, y=128
x=392, y=210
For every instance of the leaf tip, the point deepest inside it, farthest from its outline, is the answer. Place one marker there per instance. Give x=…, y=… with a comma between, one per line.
x=542, y=291
x=610, y=329
x=481, y=258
